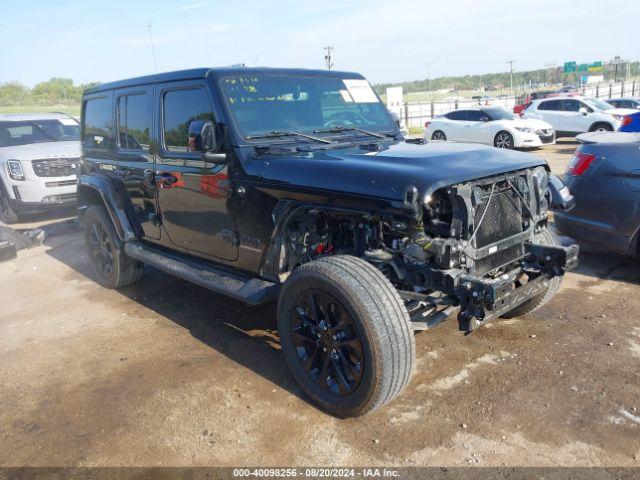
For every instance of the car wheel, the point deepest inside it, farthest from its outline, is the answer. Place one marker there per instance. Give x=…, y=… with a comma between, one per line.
x=113, y=267
x=547, y=237
x=7, y=214
x=601, y=127
x=439, y=136
x=503, y=140
x=345, y=334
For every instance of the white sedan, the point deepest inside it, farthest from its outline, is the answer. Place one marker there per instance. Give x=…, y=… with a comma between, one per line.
x=491, y=126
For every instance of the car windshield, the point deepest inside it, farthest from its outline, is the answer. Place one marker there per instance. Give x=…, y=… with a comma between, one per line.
x=264, y=104
x=499, y=114
x=24, y=132
x=599, y=104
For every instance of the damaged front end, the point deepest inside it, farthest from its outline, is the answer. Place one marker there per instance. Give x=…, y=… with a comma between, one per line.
x=482, y=247
x=486, y=249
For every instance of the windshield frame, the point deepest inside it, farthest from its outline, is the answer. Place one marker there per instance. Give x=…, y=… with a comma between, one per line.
x=351, y=135
x=594, y=103
x=489, y=112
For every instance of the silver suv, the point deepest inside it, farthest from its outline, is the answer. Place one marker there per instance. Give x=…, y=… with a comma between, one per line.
x=38, y=157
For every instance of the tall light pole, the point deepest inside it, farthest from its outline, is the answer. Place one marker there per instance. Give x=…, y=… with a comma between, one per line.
x=428, y=64
x=328, y=58
x=511, y=62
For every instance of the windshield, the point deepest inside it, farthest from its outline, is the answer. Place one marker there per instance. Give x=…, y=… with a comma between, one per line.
x=261, y=104
x=499, y=114
x=37, y=131
x=599, y=104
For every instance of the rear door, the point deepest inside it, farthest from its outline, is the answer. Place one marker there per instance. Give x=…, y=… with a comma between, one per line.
x=551, y=112
x=134, y=156
x=193, y=194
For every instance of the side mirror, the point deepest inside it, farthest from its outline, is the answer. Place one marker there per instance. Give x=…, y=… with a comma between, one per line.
x=583, y=110
x=203, y=137
x=484, y=119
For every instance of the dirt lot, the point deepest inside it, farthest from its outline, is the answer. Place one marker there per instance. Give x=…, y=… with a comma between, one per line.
x=167, y=373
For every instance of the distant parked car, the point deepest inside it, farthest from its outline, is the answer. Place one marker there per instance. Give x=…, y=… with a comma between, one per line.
x=630, y=123
x=491, y=126
x=39, y=154
x=571, y=115
x=604, y=178
x=625, y=102
x=525, y=100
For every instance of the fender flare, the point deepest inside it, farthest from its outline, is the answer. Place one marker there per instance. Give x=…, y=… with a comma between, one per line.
x=115, y=200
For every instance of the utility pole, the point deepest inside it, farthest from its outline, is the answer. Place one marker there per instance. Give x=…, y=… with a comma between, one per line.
x=153, y=50
x=428, y=65
x=328, y=58
x=511, y=62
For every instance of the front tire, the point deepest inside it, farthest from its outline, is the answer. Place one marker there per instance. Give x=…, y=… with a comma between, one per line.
x=114, y=269
x=601, y=127
x=547, y=237
x=503, y=139
x=7, y=214
x=345, y=334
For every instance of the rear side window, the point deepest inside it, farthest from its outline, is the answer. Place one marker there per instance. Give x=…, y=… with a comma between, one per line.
x=180, y=108
x=134, y=122
x=551, y=105
x=457, y=115
x=97, y=123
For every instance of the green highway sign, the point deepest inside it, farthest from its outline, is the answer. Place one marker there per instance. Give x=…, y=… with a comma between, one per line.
x=569, y=67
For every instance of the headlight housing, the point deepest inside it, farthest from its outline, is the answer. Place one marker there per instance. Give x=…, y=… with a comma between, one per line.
x=14, y=169
x=525, y=129
x=541, y=179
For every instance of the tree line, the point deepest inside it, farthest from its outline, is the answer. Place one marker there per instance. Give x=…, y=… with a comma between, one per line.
x=56, y=91
x=496, y=81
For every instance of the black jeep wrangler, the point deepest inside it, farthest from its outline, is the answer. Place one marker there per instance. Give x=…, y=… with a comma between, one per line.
x=296, y=185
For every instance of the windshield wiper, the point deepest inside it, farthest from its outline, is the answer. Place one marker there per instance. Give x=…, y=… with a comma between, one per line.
x=344, y=128
x=288, y=134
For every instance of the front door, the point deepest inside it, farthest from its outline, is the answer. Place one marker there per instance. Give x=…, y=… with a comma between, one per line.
x=193, y=194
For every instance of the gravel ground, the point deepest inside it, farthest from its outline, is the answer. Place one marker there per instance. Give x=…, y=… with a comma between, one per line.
x=167, y=373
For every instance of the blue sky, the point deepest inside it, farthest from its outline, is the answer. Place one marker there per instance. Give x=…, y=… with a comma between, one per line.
x=385, y=40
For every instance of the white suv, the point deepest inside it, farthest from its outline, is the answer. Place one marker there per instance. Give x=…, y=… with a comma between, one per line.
x=39, y=154
x=572, y=115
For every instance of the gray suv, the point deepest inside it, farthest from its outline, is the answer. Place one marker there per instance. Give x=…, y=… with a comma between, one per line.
x=39, y=154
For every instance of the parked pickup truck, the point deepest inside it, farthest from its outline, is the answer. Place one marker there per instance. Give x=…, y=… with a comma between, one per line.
x=296, y=186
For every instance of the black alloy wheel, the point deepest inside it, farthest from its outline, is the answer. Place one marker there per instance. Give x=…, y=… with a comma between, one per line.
x=327, y=343
x=100, y=250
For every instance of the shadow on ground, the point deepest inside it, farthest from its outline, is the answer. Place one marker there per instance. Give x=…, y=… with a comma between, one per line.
x=245, y=334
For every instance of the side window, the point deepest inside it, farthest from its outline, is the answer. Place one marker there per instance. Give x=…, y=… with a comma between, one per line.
x=457, y=115
x=571, y=105
x=551, y=105
x=97, y=132
x=477, y=116
x=134, y=122
x=180, y=108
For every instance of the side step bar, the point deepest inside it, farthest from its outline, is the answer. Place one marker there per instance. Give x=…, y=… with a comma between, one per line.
x=246, y=289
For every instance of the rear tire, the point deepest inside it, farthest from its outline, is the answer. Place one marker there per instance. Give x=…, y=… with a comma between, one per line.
x=114, y=269
x=7, y=214
x=601, y=127
x=438, y=136
x=348, y=307
x=548, y=237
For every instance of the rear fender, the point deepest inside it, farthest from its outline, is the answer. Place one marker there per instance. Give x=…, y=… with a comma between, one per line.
x=100, y=188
